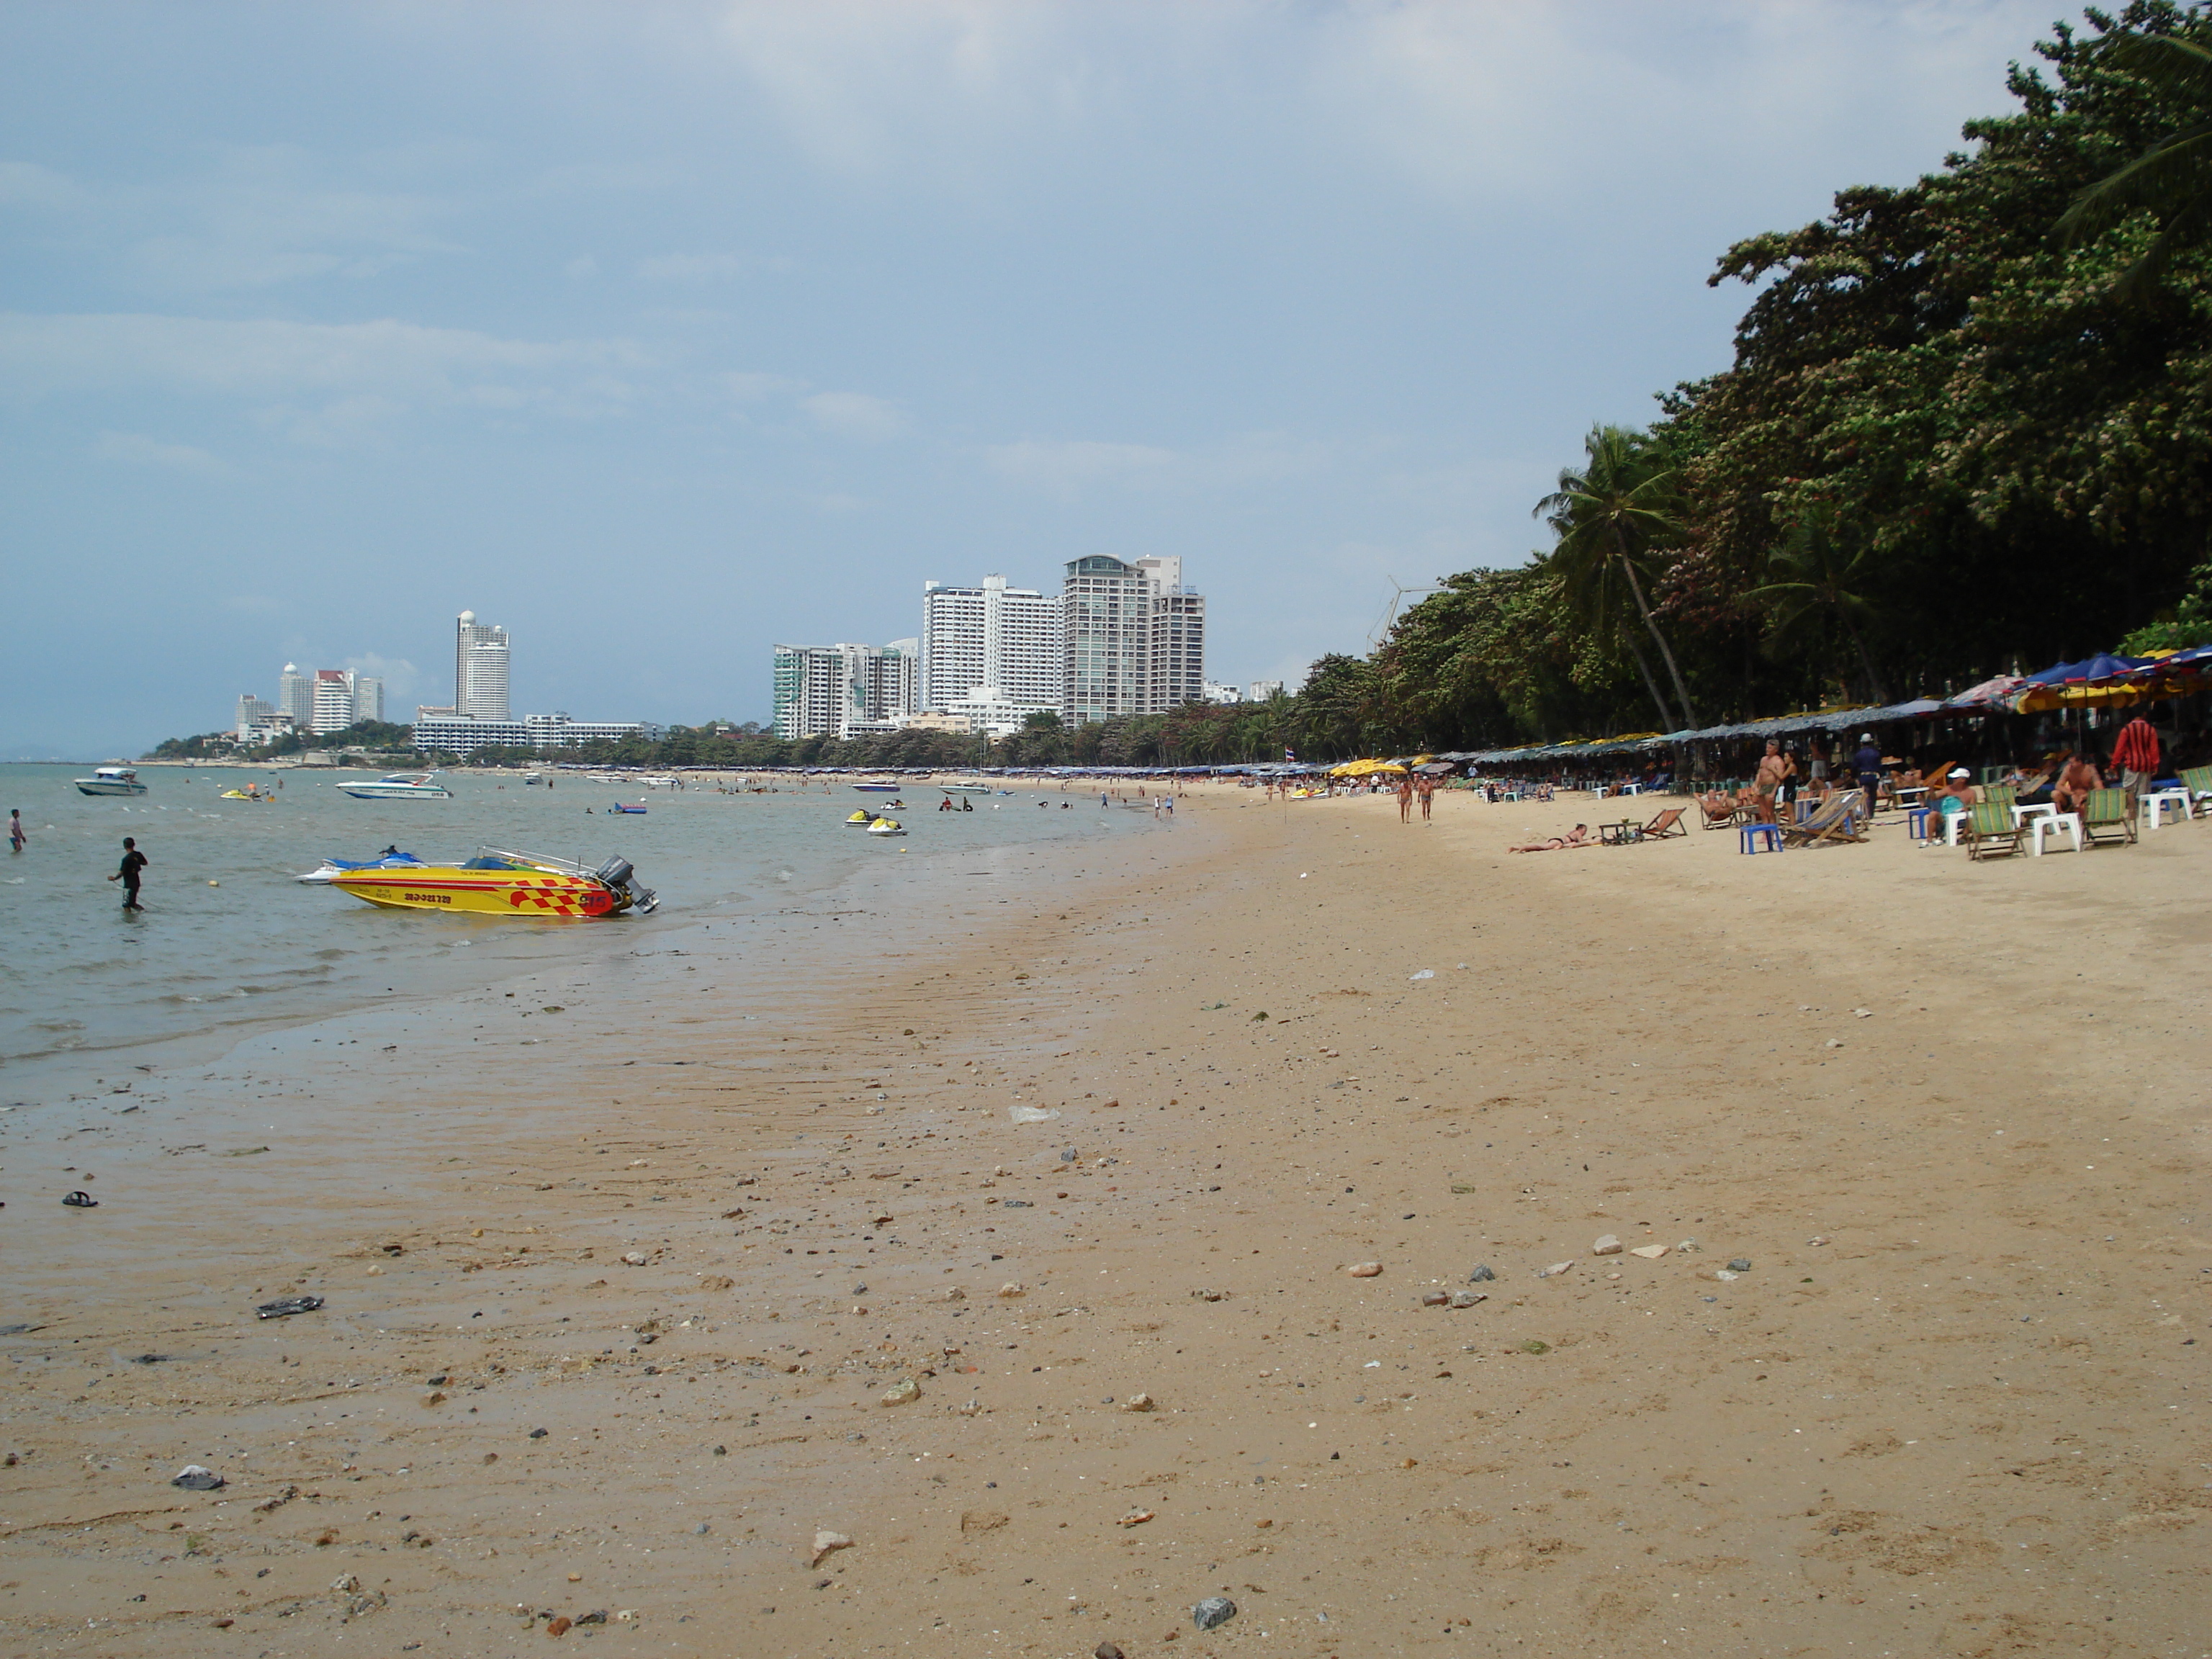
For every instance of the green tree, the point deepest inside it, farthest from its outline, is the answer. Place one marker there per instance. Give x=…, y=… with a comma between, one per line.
x=1609, y=516
x=2171, y=181
x=1815, y=580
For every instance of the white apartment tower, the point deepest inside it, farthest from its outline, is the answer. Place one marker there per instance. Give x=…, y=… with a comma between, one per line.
x=479, y=670
x=843, y=691
x=367, y=697
x=1133, y=639
x=333, y=709
x=990, y=654
x=296, y=697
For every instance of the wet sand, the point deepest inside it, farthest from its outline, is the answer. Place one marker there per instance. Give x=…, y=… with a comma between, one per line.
x=1953, y=1405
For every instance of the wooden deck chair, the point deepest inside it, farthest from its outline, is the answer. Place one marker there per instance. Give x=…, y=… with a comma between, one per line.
x=2111, y=812
x=1669, y=822
x=1718, y=808
x=1838, y=821
x=1989, y=830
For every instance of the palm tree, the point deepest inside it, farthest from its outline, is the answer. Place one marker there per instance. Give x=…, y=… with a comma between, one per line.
x=1607, y=517
x=1815, y=574
x=2172, y=179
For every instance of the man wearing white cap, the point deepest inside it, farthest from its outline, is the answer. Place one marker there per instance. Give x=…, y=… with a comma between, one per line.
x=1951, y=796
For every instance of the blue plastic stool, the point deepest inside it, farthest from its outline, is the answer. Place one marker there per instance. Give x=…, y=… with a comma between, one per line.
x=1753, y=833
x=1916, y=823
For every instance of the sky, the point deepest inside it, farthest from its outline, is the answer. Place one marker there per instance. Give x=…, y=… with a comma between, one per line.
x=660, y=333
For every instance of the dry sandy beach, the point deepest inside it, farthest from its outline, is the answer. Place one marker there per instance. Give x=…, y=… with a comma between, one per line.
x=611, y=1319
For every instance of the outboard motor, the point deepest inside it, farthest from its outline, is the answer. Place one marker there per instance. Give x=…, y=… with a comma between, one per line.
x=617, y=872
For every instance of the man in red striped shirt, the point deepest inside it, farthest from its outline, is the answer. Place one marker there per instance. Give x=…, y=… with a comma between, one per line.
x=2135, y=754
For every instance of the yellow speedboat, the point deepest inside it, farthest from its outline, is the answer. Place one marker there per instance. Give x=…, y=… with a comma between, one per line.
x=497, y=884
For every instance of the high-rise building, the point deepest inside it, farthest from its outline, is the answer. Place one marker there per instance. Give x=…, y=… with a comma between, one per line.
x=843, y=691
x=333, y=706
x=252, y=713
x=296, y=697
x=1133, y=639
x=990, y=654
x=479, y=669
x=1263, y=690
x=368, y=698
x=1218, y=693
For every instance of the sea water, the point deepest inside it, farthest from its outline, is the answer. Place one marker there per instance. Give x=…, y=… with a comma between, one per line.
x=228, y=941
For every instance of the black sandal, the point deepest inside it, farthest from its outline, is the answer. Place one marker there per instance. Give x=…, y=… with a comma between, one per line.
x=82, y=1200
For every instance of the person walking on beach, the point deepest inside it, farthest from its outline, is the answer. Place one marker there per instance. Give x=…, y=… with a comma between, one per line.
x=2136, y=753
x=1426, y=789
x=1868, y=764
x=15, y=839
x=133, y=862
x=1404, y=800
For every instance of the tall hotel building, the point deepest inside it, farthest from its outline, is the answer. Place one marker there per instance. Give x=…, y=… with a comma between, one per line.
x=991, y=655
x=479, y=670
x=1134, y=638
x=844, y=690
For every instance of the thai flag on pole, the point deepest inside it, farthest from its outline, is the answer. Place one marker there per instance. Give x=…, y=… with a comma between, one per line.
x=1290, y=755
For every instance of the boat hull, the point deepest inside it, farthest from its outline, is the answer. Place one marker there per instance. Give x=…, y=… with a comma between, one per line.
x=85, y=788
x=456, y=891
x=395, y=791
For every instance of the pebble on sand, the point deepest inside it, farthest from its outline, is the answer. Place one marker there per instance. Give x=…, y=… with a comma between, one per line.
x=1137, y=1402
x=827, y=1543
x=1649, y=1252
x=1481, y=1275
x=1105, y=1650
x=1135, y=1518
x=1467, y=1298
x=635, y=1258
x=1554, y=1270
x=1364, y=1270
x=1013, y=1287
x=1606, y=1245
x=901, y=1393
x=1214, y=1611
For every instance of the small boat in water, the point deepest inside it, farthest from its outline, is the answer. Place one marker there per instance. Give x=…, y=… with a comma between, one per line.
x=886, y=827
x=860, y=820
x=618, y=807
x=331, y=869
x=497, y=884
x=876, y=788
x=399, y=786
x=111, y=781
x=965, y=788
x=534, y=777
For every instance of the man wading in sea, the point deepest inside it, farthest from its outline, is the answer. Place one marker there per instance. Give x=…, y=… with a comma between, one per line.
x=133, y=862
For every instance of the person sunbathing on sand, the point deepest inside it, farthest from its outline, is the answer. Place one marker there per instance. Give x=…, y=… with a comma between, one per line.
x=1578, y=836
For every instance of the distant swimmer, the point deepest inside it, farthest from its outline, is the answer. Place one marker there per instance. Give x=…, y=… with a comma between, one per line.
x=133, y=862
x=15, y=839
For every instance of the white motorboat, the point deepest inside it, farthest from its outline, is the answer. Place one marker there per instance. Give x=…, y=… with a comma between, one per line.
x=965, y=788
x=111, y=781
x=397, y=786
x=534, y=777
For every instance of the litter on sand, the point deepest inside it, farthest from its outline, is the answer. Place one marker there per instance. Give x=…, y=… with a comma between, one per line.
x=288, y=1304
x=82, y=1200
x=197, y=1477
x=1032, y=1114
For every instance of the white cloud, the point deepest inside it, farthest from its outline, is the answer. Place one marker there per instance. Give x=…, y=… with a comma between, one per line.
x=751, y=388
x=1071, y=466
x=137, y=449
x=376, y=368
x=855, y=415
x=703, y=267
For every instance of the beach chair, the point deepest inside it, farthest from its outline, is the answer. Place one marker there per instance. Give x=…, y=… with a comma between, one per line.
x=2111, y=812
x=2006, y=795
x=1838, y=821
x=1669, y=822
x=1718, y=809
x=2197, y=781
x=1989, y=831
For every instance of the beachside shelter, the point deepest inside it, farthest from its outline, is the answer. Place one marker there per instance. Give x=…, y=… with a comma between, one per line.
x=1362, y=768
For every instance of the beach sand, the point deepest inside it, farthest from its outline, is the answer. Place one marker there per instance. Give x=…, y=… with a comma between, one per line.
x=610, y=1319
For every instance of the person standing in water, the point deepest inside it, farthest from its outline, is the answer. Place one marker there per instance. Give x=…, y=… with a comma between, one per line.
x=133, y=862
x=16, y=838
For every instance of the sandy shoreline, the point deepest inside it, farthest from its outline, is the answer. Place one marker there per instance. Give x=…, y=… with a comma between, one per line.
x=1966, y=1423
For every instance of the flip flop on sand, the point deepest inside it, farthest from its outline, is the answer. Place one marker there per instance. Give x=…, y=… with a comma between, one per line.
x=288, y=1304
x=81, y=1200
